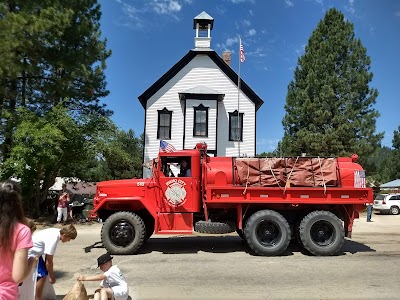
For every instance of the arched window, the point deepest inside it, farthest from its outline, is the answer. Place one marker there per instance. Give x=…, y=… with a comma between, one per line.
x=236, y=126
x=164, y=124
x=200, y=121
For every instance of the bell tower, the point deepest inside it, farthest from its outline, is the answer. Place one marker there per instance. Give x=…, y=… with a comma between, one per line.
x=203, y=24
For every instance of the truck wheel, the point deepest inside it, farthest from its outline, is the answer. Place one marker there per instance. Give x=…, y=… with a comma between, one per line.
x=322, y=233
x=149, y=229
x=240, y=233
x=267, y=232
x=123, y=233
x=394, y=210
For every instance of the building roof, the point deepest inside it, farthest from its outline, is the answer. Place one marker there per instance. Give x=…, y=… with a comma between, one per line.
x=82, y=188
x=201, y=89
x=203, y=17
x=391, y=184
x=184, y=61
x=201, y=92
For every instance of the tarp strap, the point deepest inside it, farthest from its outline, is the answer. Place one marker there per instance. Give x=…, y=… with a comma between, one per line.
x=322, y=173
x=272, y=172
x=247, y=179
x=290, y=174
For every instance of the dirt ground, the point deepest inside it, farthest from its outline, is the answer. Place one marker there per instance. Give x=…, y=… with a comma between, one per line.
x=223, y=267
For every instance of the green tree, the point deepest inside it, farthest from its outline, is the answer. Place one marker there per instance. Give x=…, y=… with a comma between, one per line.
x=43, y=147
x=52, y=62
x=123, y=155
x=51, y=52
x=329, y=104
x=394, y=162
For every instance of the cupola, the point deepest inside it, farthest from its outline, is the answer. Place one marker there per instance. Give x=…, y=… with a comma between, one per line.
x=203, y=24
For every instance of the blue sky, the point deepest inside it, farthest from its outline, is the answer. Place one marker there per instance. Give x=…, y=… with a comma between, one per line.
x=147, y=37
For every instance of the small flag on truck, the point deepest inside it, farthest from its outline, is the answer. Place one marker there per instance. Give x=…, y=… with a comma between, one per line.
x=166, y=147
x=359, y=179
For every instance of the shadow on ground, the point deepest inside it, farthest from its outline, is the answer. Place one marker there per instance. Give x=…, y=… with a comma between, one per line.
x=353, y=247
x=221, y=244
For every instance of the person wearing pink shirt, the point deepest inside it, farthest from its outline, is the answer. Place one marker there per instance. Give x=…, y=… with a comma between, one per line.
x=15, y=241
x=62, y=206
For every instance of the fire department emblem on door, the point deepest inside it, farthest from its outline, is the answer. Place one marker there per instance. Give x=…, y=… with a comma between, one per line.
x=175, y=194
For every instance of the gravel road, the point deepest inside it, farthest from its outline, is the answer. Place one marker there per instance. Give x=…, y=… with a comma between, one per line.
x=223, y=267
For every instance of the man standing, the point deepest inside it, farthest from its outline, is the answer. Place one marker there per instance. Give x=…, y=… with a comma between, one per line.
x=45, y=243
x=369, y=212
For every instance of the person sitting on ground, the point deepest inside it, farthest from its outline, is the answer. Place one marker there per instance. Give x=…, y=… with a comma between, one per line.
x=45, y=242
x=185, y=169
x=113, y=285
x=15, y=240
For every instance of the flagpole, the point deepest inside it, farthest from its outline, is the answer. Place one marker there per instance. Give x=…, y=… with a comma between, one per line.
x=238, y=106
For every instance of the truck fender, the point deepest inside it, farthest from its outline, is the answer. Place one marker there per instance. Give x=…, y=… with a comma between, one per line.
x=146, y=204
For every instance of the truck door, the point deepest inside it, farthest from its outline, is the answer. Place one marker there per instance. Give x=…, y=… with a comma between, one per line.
x=177, y=185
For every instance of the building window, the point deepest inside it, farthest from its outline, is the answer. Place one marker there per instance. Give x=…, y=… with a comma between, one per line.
x=235, y=128
x=164, y=124
x=200, y=121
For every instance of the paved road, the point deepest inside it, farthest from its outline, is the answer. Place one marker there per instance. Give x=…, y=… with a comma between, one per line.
x=210, y=267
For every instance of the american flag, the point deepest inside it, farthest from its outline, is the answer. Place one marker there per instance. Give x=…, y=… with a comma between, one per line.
x=242, y=58
x=359, y=179
x=166, y=147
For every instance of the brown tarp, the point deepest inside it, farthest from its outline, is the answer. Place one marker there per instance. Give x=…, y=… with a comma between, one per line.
x=301, y=171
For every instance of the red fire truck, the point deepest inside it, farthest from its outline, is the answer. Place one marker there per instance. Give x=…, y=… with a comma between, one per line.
x=268, y=201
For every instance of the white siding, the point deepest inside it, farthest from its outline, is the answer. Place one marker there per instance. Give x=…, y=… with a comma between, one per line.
x=200, y=71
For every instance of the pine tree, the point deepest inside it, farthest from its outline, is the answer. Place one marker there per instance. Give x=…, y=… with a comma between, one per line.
x=52, y=62
x=329, y=104
x=51, y=52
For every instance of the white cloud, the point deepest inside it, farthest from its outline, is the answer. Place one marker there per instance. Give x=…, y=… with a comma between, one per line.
x=252, y=32
x=230, y=41
x=251, y=12
x=299, y=51
x=397, y=13
x=240, y=1
x=258, y=52
x=246, y=22
x=133, y=14
x=165, y=7
x=140, y=14
x=289, y=3
x=371, y=30
x=350, y=7
x=220, y=10
x=267, y=145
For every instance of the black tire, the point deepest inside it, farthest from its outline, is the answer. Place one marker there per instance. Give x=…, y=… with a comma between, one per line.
x=394, y=210
x=123, y=233
x=322, y=233
x=240, y=233
x=267, y=232
x=213, y=227
x=149, y=223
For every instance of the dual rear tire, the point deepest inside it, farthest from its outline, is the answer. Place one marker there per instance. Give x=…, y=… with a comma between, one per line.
x=321, y=233
x=268, y=233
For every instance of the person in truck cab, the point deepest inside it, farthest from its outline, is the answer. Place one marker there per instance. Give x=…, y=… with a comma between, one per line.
x=185, y=169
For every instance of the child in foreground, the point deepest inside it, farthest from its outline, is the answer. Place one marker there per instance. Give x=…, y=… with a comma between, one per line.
x=113, y=285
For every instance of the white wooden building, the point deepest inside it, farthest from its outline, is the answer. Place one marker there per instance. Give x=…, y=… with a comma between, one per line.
x=197, y=100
